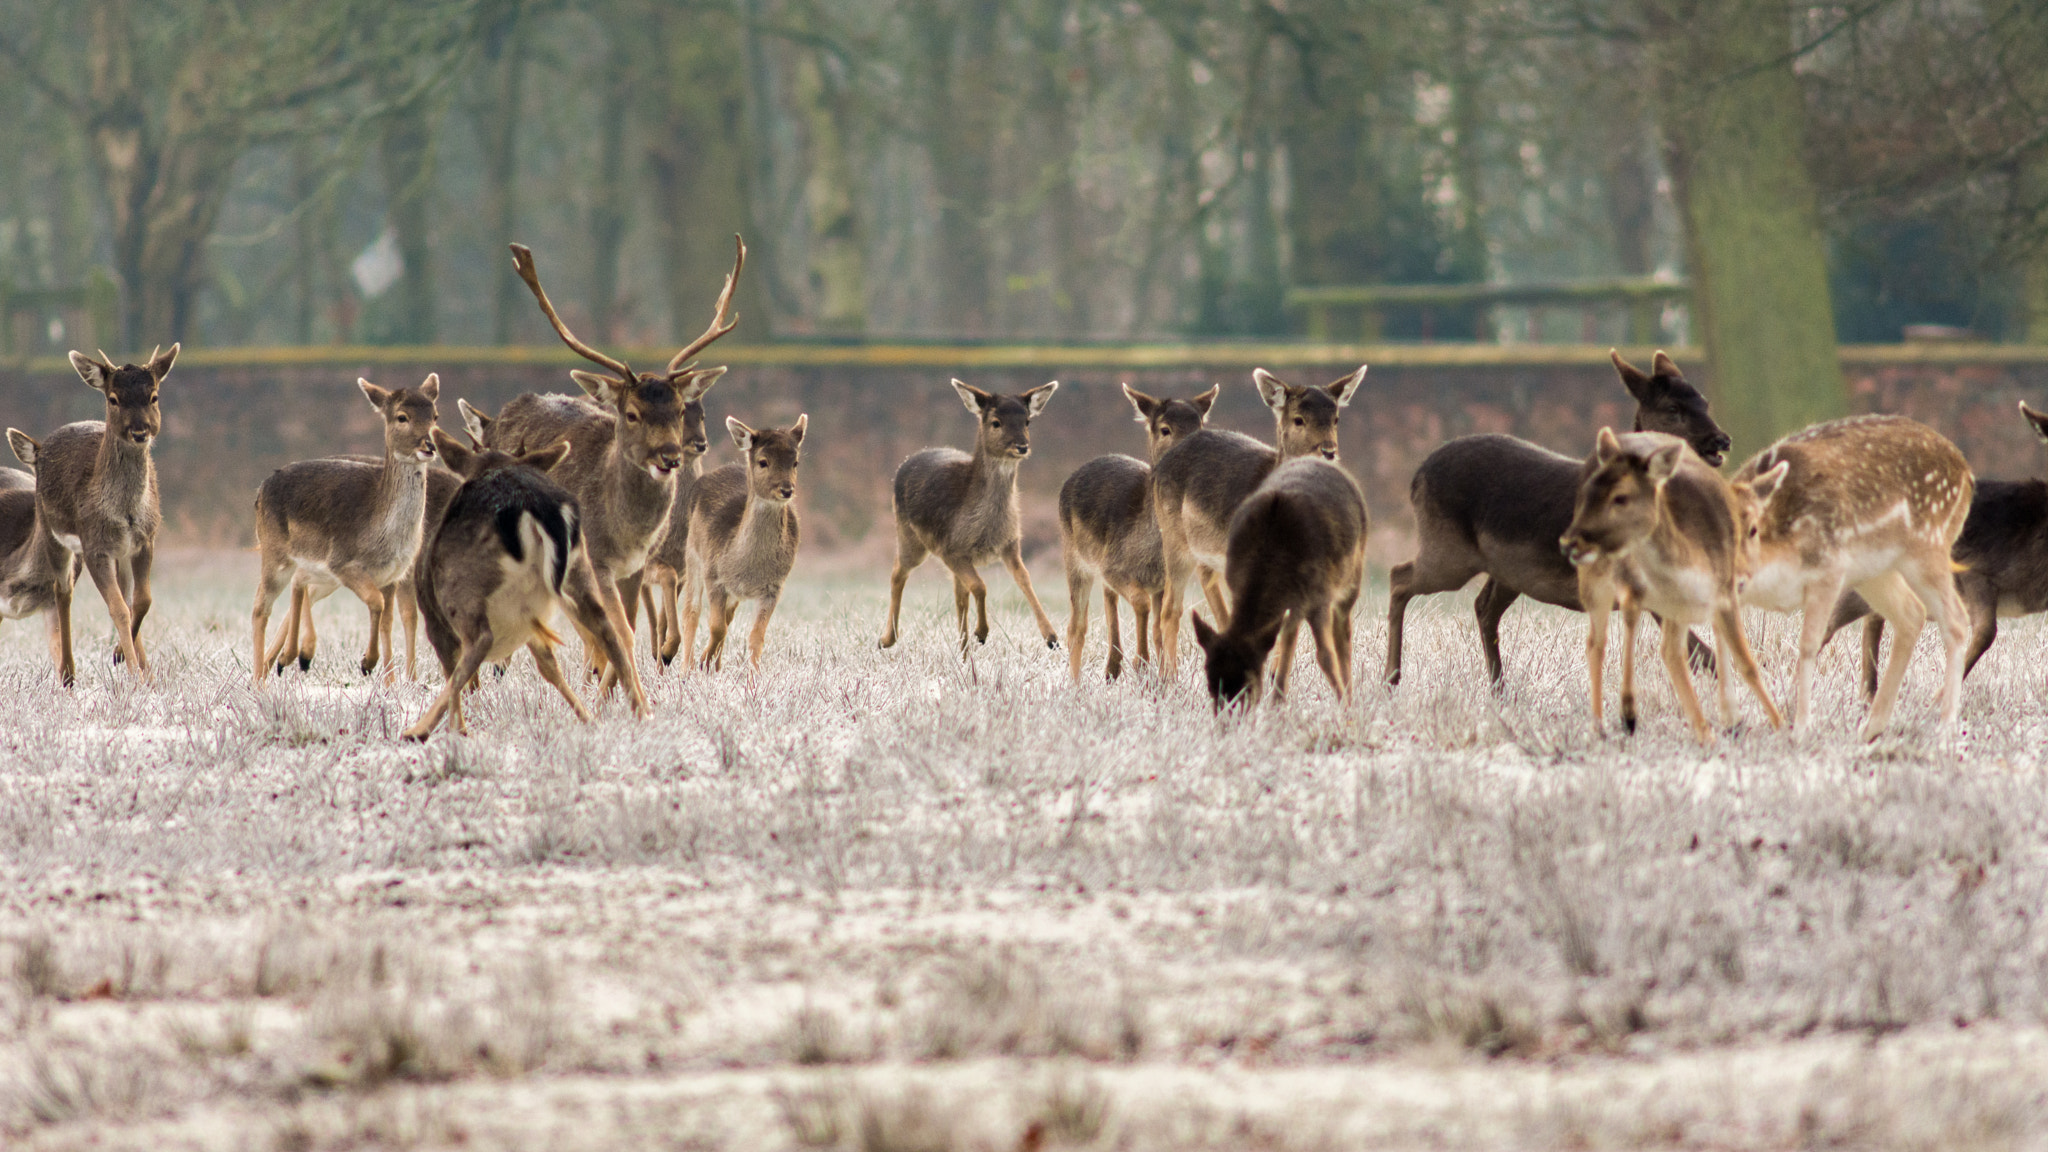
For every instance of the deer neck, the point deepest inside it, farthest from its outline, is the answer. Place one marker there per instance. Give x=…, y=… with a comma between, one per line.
x=637, y=504
x=122, y=471
x=995, y=477
x=762, y=527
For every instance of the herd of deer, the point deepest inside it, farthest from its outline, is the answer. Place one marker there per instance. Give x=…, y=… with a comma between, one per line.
x=593, y=505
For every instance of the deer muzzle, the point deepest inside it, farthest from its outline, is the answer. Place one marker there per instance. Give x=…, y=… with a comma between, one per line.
x=1577, y=549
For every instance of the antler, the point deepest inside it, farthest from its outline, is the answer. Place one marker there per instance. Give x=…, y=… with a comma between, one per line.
x=522, y=263
x=720, y=323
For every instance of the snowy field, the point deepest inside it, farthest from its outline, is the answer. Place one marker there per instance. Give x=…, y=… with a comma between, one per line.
x=900, y=902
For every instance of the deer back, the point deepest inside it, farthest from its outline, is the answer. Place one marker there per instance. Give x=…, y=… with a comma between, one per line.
x=1106, y=521
x=1199, y=483
x=501, y=554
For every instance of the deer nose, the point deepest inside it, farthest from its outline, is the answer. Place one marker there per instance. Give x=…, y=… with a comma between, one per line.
x=1329, y=452
x=787, y=490
x=670, y=461
x=139, y=437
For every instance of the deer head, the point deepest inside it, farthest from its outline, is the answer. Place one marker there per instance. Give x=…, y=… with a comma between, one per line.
x=1168, y=422
x=1005, y=432
x=1616, y=507
x=409, y=416
x=131, y=392
x=660, y=417
x=1235, y=665
x=1306, y=418
x=471, y=463
x=1666, y=403
x=772, y=456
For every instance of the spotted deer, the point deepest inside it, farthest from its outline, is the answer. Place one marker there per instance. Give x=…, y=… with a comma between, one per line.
x=963, y=508
x=509, y=554
x=743, y=534
x=96, y=495
x=1198, y=484
x=32, y=563
x=1296, y=554
x=1495, y=506
x=1656, y=529
x=2003, y=557
x=630, y=438
x=338, y=523
x=1107, y=529
x=1872, y=503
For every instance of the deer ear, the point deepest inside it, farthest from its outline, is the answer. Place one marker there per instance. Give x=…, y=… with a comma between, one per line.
x=24, y=446
x=1207, y=400
x=98, y=374
x=160, y=362
x=1347, y=388
x=1632, y=377
x=973, y=397
x=1204, y=635
x=796, y=430
x=2038, y=419
x=696, y=382
x=474, y=422
x=1663, y=463
x=1146, y=405
x=458, y=458
x=1606, y=446
x=1662, y=365
x=431, y=388
x=1768, y=484
x=548, y=458
x=597, y=386
x=742, y=435
x=377, y=396
x=1035, y=399
x=1271, y=389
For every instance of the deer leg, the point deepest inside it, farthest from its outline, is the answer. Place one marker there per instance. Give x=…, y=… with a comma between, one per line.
x=380, y=630
x=1215, y=594
x=1981, y=599
x=287, y=635
x=550, y=671
x=1401, y=589
x=910, y=552
x=1819, y=606
x=598, y=614
x=409, y=616
x=1281, y=660
x=1490, y=605
x=270, y=581
x=1080, y=583
x=1931, y=576
x=138, y=568
x=1676, y=667
x=1172, y=597
x=759, y=637
x=1112, y=622
x=1013, y=559
x=714, y=645
x=671, y=631
x=373, y=598
x=1893, y=598
x=1596, y=593
x=307, y=640
x=1341, y=630
x=114, y=578
x=474, y=649
x=1631, y=619
x=1322, y=633
x=1735, y=649
x=1873, y=637
x=57, y=622
x=629, y=605
x=1142, y=620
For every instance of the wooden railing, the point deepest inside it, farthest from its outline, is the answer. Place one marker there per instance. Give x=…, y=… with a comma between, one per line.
x=1642, y=299
x=85, y=311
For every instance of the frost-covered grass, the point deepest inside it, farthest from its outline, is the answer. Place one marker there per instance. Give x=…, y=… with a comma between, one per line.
x=897, y=900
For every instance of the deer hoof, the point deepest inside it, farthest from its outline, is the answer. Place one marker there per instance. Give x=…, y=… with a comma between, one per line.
x=1628, y=725
x=1052, y=642
x=305, y=665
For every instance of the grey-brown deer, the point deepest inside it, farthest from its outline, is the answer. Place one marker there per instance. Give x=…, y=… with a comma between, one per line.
x=1655, y=528
x=963, y=508
x=1873, y=503
x=629, y=438
x=743, y=534
x=662, y=585
x=33, y=566
x=509, y=554
x=1107, y=530
x=2003, y=557
x=1495, y=506
x=96, y=495
x=339, y=523
x=1198, y=484
x=1296, y=554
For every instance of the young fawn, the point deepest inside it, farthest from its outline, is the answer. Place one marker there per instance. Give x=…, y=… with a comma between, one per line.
x=1494, y=506
x=661, y=586
x=1873, y=503
x=508, y=553
x=337, y=523
x=2003, y=554
x=629, y=442
x=1107, y=529
x=32, y=564
x=1198, y=484
x=1296, y=553
x=96, y=496
x=1657, y=529
x=963, y=507
x=742, y=536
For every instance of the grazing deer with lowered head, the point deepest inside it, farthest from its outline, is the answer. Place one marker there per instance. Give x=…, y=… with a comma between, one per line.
x=1657, y=529
x=963, y=507
x=1873, y=503
x=742, y=537
x=1296, y=554
x=96, y=495
x=32, y=564
x=629, y=441
x=1198, y=484
x=1107, y=529
x=1495, y=506
x=506, y=556
x=2003, y=556
x=336, y=523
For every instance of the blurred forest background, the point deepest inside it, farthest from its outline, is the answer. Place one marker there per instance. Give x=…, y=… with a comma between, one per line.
x=349, y=171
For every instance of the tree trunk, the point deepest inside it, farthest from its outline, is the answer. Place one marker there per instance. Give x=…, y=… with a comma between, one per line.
x=838, y=252
x=407, y=153
x=958, y=120
x=609, y=194
x=498, y=115
x=1733, y=122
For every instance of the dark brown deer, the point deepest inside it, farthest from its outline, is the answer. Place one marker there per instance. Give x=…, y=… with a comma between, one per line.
x=507, y=555
x=1198, y=484
x=963, y=508
x=2003, y=557
x=96, y=495
x=1656, y=529
x=629, y=441
x=743, y=534
x=32, y=564
x=1296, y=554
x=1873, y=503
x=336, y=523
x=1494, y=506
x=1107, y=529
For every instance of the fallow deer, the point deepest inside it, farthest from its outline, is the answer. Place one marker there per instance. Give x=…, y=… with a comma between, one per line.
x=1296, y=553
x=506, y=556
x=1873, y=503
x=629, y=441
x=1107, y=529
x=96, y=495
x=963, y=508
x=2003, y=554
x=337, y=523
x=742, y=537
x=1657, y=529
x=1198, y=484
x=32, y=563
x=1495, y=506
x=662, y=585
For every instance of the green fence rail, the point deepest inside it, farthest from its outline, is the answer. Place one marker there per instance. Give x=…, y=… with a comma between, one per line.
x=84, y=313
x=1641, y=298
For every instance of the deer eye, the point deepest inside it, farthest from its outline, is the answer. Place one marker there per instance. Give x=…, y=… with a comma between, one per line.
x=404, y=420
x=1621, y=501
x=632, y=417
x=761, y=463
